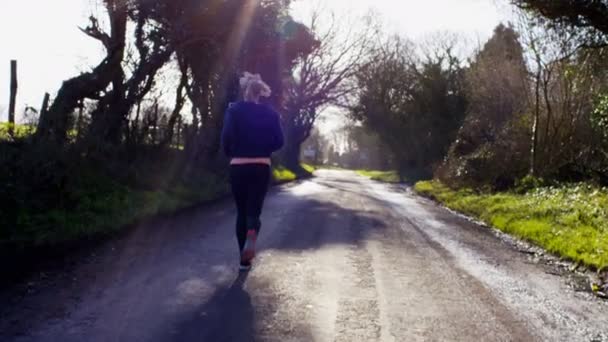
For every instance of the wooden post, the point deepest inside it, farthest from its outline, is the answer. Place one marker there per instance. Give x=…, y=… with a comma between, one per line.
x=13, y=98
x=80, y=120
x=45, y=104
x=179, y=132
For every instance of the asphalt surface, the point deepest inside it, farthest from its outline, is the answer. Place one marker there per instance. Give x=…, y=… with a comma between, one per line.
x=341, y=258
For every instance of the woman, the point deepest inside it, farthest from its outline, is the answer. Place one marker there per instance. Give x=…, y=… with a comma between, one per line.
x=252, y=132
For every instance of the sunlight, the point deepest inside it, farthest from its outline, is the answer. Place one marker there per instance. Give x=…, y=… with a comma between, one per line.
x=239, y=32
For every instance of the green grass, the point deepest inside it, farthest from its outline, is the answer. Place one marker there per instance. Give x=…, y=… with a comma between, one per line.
x=309, y=168
x=20, y=131
x=382, y=176
x=283, y=175
x=329, y=167
x=570, y=221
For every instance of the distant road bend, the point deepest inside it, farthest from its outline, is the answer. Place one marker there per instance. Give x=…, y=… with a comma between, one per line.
x=341, y=258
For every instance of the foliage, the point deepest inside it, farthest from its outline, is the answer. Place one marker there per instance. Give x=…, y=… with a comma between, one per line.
x=414, y=105
x=529, y=183
x=20, y=131
x=363, y=150
x=528, y=102
x=492, y=145
x=600, y=116
x=570, y=220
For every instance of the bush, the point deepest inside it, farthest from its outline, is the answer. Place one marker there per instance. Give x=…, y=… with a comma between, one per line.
x=528, y=183
x=56, y=195
x=480, y=158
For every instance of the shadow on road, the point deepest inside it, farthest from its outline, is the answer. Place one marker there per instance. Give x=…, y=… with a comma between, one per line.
x=340, y=215
x=152, y=259
x=227, y=316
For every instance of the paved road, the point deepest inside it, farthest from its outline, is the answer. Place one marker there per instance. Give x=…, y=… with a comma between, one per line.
x=342, y=259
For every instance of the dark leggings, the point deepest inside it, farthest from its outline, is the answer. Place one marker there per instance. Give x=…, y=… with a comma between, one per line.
x=249, y=187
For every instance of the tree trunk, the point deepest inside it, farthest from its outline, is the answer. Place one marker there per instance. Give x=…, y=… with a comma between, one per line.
x=291, y=156
x=534, y=154
x=110, y=119
x=154, y=134
x=13, y=99
x=176, y=114
x=136, y=125
x=178, y=143
x=45, y=104
x=295, y=135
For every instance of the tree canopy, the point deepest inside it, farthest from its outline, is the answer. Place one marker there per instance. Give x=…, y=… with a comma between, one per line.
x=587, y=18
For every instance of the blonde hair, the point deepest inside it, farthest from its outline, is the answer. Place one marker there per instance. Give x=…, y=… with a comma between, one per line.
x=253, y=86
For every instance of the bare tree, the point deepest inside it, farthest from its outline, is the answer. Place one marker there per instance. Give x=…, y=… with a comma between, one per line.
x=324, y=77
x=53, y=125
x=129, y=87
x=175, y=117
x=564, y=82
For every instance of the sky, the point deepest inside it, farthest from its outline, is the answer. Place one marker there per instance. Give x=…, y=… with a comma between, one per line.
x=44, y=38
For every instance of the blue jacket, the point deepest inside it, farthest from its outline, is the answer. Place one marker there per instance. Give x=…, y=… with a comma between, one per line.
x=251, y=130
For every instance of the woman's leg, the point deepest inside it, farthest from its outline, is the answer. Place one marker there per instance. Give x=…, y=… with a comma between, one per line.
x=258, y=188
x=239, y=184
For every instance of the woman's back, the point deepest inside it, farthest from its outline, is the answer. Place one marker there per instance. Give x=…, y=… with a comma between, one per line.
x=251, y=130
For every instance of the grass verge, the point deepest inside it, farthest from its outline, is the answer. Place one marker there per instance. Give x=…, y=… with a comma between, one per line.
x=309, y=168
x=283, y=175
x=96, y=206
x=570, y=221
x=382, y=176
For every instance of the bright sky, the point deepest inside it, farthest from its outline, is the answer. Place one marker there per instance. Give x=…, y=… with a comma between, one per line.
x=417, y=18
x=44, y=37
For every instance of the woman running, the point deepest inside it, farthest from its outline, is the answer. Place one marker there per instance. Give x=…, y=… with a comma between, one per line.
x=251, y=133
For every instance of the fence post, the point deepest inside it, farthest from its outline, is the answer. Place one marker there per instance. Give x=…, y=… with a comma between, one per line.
x=13, y=98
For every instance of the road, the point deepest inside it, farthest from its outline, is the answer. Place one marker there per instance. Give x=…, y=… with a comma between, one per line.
x=341, y=258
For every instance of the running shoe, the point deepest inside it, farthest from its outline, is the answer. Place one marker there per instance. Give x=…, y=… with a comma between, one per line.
x=245, y=266
x=249, y=250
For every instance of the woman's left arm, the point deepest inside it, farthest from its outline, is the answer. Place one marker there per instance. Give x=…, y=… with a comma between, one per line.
x=228, y=133
x=278, y=140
